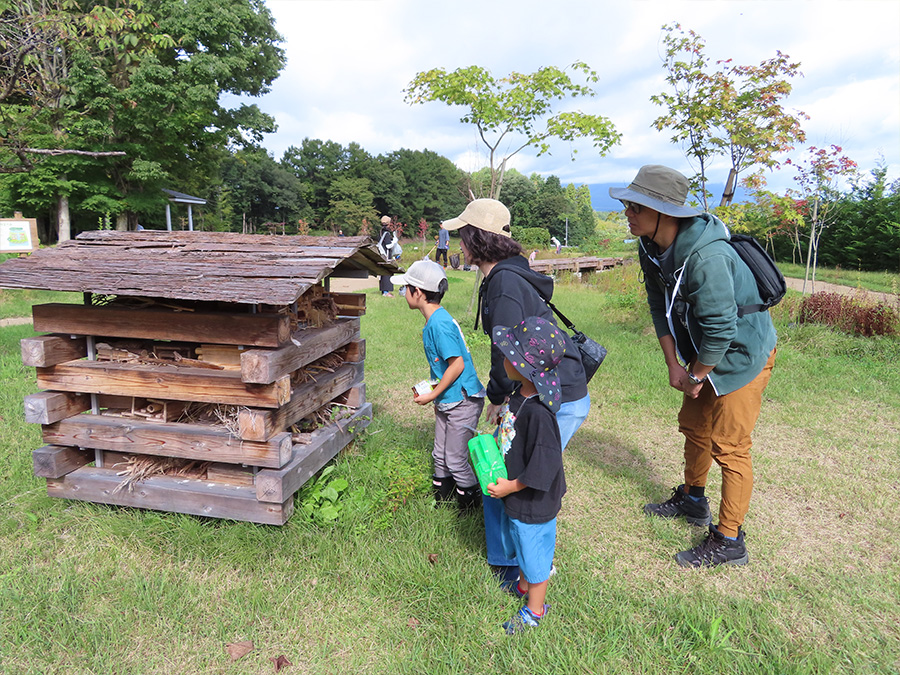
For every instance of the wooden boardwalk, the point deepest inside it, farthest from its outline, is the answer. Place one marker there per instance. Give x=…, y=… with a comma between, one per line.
x=583, y=265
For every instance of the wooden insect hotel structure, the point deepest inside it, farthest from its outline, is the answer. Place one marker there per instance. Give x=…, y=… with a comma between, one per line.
x=205, y=373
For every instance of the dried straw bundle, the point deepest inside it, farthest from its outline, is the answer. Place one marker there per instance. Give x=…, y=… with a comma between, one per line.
x=141, y=467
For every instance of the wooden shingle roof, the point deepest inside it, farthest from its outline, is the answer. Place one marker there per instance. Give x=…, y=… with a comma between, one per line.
x=216, y=266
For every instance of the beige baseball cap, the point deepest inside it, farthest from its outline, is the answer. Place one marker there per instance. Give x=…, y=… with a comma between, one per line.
x=485, y=214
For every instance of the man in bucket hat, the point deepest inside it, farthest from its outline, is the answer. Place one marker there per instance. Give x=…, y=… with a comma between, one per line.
x=695, y=282
x=530, y=442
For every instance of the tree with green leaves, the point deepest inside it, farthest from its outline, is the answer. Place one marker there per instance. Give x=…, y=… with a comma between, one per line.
x=517, y=111
x=257, y=189
x=149, y=84
x=430, y=186
x=726, y=109
x=866, y=232
x=817, y=179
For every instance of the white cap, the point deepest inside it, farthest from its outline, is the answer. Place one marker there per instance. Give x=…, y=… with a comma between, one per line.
x=423, y=274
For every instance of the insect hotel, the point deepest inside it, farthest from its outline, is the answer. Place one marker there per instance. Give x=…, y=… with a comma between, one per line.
x=205, y=373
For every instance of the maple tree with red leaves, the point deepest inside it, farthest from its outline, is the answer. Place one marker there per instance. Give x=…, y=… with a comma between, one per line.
x=727, y=109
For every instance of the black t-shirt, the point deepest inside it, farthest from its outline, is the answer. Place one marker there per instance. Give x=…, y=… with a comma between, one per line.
x=535, y=458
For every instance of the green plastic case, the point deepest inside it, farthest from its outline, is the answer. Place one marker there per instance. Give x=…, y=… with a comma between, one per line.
x=486, y=460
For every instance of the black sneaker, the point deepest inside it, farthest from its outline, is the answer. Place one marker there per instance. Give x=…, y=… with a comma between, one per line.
x=695, y=511
x=716, y=549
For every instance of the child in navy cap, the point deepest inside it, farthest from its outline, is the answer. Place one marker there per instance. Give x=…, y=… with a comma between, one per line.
x=532, y=496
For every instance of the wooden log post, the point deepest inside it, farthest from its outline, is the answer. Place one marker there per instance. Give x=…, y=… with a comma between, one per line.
x=179, y=384
x=258, y=425
x=47, y=407
x=258, y=330
x=356, y=351
x=264, y=366
x=173, y=494
x=55, y=461
x=49, y=350
x=186, y=441
x=278, y=485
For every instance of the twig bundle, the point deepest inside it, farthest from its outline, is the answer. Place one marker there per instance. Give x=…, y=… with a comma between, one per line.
x=141, y=467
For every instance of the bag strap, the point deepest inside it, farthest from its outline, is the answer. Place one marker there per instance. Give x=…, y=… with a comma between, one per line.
x=562, y=317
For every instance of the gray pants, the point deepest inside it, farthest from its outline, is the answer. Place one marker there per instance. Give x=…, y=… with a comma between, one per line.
x=451, y=441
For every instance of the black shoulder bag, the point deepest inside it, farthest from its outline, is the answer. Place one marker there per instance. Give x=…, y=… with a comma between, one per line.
x=592, y=352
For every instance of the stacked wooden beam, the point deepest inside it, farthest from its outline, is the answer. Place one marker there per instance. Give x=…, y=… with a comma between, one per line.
x=193, y=407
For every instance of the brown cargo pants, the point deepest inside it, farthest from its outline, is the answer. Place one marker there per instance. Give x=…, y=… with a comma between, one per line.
x=718, y=428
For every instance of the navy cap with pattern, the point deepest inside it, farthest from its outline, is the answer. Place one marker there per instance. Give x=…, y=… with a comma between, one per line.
x=535, y=347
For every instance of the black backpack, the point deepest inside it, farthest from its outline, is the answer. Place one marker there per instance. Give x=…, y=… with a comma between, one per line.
x=769, y=279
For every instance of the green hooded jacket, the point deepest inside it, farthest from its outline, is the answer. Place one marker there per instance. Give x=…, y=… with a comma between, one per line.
x=698, y=304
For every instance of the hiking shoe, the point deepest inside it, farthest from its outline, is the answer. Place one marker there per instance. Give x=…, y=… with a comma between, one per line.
x=511, y=586
x=523, y=620
x=695, y=511
x=716, y=549
x=468, y=499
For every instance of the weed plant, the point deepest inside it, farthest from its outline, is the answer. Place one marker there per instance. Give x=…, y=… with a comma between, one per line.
x=392, y=584
x=850, y=314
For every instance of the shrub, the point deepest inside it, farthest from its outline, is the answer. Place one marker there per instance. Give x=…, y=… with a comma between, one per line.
x=531, y=237
x=849, y=314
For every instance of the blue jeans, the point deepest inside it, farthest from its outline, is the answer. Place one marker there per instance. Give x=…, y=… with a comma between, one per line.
x=569, y=418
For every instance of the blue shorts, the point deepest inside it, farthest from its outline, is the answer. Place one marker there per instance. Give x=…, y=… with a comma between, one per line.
x=533, y=544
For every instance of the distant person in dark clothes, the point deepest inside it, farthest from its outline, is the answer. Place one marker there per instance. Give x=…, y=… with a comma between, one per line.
x=510, y=292
x=386, y=242
x=443, y=245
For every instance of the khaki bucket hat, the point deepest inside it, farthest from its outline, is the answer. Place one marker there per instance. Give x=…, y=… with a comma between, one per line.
x=659, y=188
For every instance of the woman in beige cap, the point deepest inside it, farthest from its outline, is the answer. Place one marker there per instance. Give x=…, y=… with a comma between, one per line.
x=510, y=293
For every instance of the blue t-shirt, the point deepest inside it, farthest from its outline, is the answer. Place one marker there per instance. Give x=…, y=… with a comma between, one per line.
x=443, y=339
x=443, y=238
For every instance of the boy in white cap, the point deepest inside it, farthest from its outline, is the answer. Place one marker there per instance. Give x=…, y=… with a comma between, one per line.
x=458, y=396
x=532, y=496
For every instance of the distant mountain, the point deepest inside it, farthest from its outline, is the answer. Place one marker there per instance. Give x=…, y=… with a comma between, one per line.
x=601, y=200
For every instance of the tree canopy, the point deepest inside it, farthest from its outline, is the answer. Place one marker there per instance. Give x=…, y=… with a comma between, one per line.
x=139, y=77
x=517, y=109
x=726, y=109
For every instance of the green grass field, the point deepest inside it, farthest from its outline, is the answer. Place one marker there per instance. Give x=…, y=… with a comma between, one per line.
x=395, y=585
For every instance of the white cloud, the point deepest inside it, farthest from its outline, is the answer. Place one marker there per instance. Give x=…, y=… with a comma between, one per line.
x=349, y=60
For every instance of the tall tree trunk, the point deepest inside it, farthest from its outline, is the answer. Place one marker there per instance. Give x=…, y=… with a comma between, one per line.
x=63, y=220
x=812, y=247
x=728, y=193
x=122, y=222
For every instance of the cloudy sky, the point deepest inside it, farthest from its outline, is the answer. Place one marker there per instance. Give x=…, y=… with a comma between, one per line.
x=349, y=61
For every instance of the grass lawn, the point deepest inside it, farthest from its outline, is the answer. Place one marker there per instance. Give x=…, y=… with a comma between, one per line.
x=395, y=585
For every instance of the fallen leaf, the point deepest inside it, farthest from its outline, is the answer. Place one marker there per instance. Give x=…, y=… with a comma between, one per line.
x=280, y=662
x=432, y=558
x=238, y=649
x=413, y=622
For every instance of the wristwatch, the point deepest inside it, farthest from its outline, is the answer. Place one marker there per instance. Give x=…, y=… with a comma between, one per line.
x=693, y=378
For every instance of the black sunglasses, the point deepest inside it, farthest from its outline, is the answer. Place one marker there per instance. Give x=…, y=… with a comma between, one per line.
x=634, y=206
